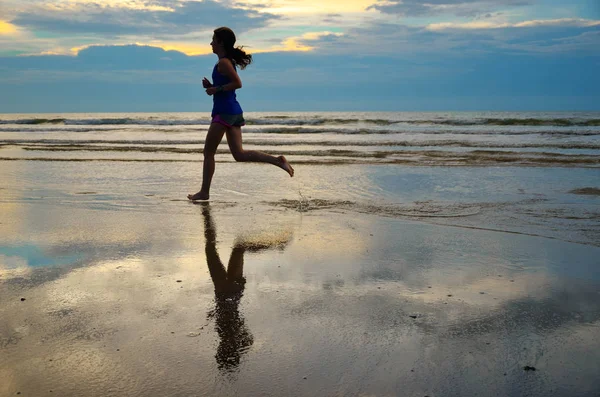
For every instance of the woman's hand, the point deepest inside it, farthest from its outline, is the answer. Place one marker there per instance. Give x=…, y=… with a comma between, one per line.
x=206, y=83
x=211, y=90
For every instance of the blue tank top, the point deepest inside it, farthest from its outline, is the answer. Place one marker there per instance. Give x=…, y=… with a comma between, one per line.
x=224, y=102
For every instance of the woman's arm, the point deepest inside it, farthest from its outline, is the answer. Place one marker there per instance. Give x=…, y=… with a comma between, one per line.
x=225, y=67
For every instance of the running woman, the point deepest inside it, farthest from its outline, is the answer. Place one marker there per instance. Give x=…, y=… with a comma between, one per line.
x=227, y=115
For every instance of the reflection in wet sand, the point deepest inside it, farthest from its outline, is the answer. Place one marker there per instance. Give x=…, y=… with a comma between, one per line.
x=234, y=337
x=373, y=296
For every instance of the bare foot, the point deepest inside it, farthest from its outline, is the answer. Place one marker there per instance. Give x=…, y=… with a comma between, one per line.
x=198, y=196
x=286, y=166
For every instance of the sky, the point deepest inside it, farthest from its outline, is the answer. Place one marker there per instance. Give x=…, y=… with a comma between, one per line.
x=309, y=55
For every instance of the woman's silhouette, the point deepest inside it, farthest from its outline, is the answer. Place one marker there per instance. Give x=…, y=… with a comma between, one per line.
x=227, y=115
x=234, y=337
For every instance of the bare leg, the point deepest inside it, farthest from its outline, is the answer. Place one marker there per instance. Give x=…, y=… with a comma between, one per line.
x=235, y=267
x=234, y=139
x=213, y=138
x=215, y=266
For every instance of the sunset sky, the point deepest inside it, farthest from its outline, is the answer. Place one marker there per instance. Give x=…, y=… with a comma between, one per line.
x=138, y=55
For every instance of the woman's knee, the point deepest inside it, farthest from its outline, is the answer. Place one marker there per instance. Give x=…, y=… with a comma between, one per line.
x=239, y=155
x=209, y=153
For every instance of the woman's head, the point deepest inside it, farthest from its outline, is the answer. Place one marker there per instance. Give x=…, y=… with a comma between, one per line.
x=224, y=38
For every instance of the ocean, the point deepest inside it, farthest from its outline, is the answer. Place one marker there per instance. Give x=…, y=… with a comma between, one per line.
x=529, y=173
x=569, y=139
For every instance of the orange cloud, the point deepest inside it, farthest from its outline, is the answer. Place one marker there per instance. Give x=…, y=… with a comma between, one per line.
x=188, y=49
x=7, y=28
x=297, y=43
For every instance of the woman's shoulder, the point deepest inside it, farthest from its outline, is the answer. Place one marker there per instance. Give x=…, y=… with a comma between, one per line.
x=225, y=66
x=224, y=61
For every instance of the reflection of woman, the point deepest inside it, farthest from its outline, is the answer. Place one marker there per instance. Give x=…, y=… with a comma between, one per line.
x=234, y=337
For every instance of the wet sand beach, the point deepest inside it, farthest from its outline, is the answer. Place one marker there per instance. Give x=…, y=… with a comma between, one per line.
x=347, y=280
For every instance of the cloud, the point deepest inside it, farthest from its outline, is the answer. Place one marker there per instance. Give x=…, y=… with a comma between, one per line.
x=305, y=8
x=400, y=41
x=576, y=22
x=7, y=28
x=285, y=69
x=105, y=64
x=172, y=18
x=306, y=41
x=559, y=22
x=565, y=36
x=464, y=8
x=388, y=66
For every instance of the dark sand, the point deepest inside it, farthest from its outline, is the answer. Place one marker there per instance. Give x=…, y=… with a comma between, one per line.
x=128, y=299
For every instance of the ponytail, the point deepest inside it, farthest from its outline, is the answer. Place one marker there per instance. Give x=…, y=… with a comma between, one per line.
x=239, y=57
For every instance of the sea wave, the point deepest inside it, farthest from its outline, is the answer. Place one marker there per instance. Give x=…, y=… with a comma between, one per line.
x=286, y=120
x=62, y=128
x=268, y=120
x=405, y=157
x=283, y=130
x=154, y=145
x=422, y=209
x=369, y=131
x=317, y=121
x=109, y=121
x=555, y=122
